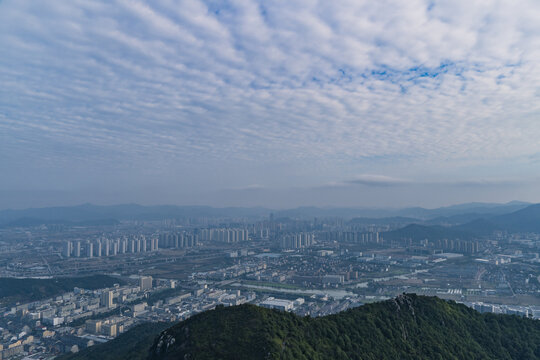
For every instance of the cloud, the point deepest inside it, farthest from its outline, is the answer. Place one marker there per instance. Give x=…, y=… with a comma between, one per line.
x=279, y=93
x=382, y=180
x=378, y=180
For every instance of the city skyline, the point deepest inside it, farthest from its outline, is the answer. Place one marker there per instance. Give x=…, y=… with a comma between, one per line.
x=282, y=104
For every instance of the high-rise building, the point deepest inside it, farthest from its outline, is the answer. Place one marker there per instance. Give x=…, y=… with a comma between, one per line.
x=67, y=248
x=78, y=249
x=107, y=299
x=109, y=329
x=297, y=241
x=145, y=283
x=89, y=249
x=98, y=248
x=107, y=248
x=93, y=326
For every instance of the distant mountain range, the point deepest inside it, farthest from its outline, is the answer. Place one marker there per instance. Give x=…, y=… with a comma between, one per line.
x=418, y=232
x=407, y=327
x=94, y=214
x=523, y=220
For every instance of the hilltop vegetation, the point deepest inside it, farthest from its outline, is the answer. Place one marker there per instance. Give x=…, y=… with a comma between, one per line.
x=408, y=327
x=14, y=290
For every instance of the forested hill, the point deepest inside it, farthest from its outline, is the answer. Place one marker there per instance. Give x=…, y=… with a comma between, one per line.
x=408, y=327
x=131, y=345
x=14, y=290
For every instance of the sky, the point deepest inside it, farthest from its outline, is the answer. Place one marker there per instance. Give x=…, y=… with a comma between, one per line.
x=269, y=103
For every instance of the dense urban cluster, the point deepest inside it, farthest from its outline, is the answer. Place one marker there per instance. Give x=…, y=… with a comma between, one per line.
x=168, y=270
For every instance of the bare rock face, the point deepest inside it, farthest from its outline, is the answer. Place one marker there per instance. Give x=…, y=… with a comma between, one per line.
x=164, y=342
x=167, y=342
x=404, y=302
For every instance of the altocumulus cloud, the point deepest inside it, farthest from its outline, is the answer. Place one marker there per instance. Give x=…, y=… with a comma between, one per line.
x=117, y=84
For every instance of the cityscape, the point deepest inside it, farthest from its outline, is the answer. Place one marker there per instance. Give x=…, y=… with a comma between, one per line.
x=165, y=271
